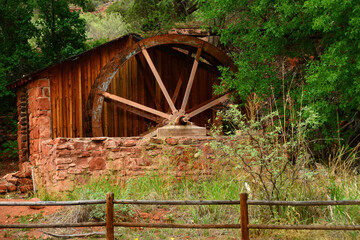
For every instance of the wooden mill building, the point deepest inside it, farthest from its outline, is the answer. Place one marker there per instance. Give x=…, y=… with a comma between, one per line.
x=125, y=87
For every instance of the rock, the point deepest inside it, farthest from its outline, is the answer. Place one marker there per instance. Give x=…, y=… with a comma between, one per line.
x=36, y=207
x=25, y=188
x=11, y=179
x=172, y=141
x=3, y=188
x=11, y=187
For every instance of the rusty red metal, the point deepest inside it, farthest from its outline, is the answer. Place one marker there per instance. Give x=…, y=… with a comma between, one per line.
x=210, y=53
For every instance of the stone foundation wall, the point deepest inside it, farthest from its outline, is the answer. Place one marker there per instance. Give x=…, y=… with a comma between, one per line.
x=67, y=162
x=34, y=127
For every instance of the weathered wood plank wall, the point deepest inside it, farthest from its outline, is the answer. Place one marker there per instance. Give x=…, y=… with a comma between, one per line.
x=71, y=83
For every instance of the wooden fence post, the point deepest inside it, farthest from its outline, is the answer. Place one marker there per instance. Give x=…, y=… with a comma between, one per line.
x=110, y=216
x=244, y=216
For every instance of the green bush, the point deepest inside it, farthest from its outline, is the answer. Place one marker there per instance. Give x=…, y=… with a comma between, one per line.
x=109, y=26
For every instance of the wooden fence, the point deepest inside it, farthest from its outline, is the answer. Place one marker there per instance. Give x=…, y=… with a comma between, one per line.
x=244, y=223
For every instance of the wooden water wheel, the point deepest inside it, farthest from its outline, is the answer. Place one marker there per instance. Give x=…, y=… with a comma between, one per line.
x=170, y=109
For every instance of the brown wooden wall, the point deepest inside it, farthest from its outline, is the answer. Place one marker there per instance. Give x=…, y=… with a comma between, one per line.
x=71, y=82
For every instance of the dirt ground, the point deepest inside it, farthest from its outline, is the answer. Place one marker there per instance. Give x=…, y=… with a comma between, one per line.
x=8, y=166
x=26, y=215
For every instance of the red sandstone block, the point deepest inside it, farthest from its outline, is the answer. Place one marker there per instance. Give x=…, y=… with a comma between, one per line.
x=36, y=207
x=32, y=84
x=35, y=92
x=144, y=162
x=75, y=170
x=172, y=141
x=82, y=162
x=60, y=161
x=126, y=150
x=3, y=188
x=43, y=103
x=85, y=154
x=45, y=133
x=43, y=83
x=79, y=145
x=62, y=167
x=34, y=146
x=25, y=188
x=136, y=153
x=46, y=149
x=119, y=142
x=63, y=153
x=156, y=140
x=34, y=133
x=185, y=141
x=61, y=175
x=22, y=174
x=43, y=122
x=91, y=147
x=97, y=153
x=97, y=164
x=46, y=91
x=25, y=181
x=130, y=143
x=60, y=140
x=110, y=144
x=76, y=152
x=11, y=179
x=32, y=107
x=98, y=139
x=12, y=188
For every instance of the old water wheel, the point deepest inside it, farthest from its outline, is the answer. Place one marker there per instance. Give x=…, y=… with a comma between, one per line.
x=177, y=91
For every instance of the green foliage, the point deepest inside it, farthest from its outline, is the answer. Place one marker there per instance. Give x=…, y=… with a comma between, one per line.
x=157, y=15
x=35, y=33
x=108, y=26
x=10, y=149
x=306, y=47
x=61, y=32
x=265, y=153
x=121, y=7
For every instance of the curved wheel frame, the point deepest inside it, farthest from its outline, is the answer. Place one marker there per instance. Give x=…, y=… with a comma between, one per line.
x=98, y=92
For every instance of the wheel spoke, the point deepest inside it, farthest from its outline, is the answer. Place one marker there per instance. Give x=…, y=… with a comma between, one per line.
x=125, y=101
x=158, y=79
x=191, y=79
x=206, y=105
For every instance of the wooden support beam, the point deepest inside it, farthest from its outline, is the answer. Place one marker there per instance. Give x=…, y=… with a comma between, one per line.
x=206, y=105
x=158, y=79
x=115, y=98
x=136, y=111
x=191, y=79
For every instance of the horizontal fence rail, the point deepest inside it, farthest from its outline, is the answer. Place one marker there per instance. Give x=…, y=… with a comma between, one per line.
x=54, y=203
x=244, y=217
x=178, y=202
x=303, y=203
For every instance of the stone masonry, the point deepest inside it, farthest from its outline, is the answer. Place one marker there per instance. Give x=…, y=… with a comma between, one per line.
x=34, y=127
x=64, y=163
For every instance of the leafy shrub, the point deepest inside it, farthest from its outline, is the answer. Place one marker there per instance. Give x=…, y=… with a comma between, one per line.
x=262, y=149
x=109, y=26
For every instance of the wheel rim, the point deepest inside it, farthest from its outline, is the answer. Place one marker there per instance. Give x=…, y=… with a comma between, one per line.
x=180, y=116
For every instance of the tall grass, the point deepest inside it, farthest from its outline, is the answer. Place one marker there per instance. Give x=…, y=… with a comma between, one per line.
x=335, y=182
